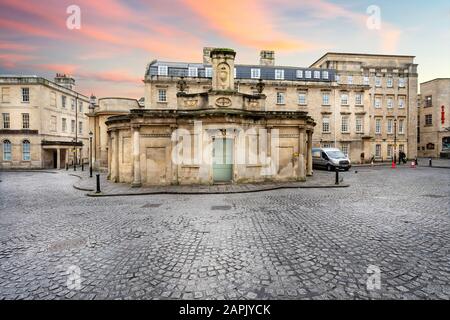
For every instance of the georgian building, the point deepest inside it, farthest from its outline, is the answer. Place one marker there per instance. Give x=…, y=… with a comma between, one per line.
x=390, y=105
x=434, y=119
x=42, y=122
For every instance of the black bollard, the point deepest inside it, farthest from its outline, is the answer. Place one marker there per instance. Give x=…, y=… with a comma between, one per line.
x=431, y=162
x=337, y=177
x=90, y=171
x=98, y=183
x=82, y=166
x=67, y=166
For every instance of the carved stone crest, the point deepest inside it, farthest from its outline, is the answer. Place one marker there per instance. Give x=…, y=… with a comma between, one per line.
x=223, y=102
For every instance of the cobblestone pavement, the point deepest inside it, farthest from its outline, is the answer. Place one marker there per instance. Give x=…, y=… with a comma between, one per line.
x=285, y=244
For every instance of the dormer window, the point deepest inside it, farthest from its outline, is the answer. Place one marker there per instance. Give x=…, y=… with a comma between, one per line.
x=208, y=72
x=316, y=74
x=325, y=75
x=299, y=73
x=308, y=74
x=192, y=72
x=256, y=73
x=163, y=70
x=279, y=74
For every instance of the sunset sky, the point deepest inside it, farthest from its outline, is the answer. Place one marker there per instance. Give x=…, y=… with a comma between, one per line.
x=118, y=38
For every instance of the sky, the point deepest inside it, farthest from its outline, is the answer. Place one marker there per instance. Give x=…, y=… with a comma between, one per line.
x=116, y=39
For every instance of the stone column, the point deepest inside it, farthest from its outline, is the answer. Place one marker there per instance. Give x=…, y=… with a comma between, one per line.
x=109, y=135
x=116, y=156
x=58, y=158
x=174, y=154
x=67, y=156
x=302, y=154
x=136, y=158
x=309, y=169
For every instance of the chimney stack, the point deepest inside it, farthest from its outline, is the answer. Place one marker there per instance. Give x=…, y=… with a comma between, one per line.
x=207, y=55
x=267, y=58
x=65, y=80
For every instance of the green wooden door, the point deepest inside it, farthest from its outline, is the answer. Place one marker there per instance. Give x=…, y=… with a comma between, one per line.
x=223, y=160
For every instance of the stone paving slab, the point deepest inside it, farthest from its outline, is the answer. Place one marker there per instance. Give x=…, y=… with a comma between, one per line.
x=108, y=188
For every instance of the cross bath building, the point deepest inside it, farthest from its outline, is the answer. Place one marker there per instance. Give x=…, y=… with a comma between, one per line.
x=204, y=130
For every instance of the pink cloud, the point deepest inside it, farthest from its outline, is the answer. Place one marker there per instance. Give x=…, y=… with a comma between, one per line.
x=247, y=22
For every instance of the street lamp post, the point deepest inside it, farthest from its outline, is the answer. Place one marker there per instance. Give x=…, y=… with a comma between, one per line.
x=90, y=154
x=74, y=155
x=395, y=140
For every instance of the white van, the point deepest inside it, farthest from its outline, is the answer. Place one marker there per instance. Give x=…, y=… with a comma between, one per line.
x=330, y=159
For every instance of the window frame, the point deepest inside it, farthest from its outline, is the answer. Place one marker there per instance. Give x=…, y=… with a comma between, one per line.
x=25, y=120
x=378, y=125
x=160, y=95
x=26, y=143
x=6, y=116
x=5, y=152
x=326, y=128
x=326, y=103
x=255, y=73
x=305, y=95
x=283, y=98
x=163, y=70
x=192, y=72
x=345, y=125
x=279, y=74
x=25, y=95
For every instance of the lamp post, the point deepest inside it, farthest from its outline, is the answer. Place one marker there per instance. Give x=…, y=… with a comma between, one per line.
x=74, y=155
x=395, y=140
x=90, y=154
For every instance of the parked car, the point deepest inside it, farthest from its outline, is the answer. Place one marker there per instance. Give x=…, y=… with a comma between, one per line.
x=330, y=159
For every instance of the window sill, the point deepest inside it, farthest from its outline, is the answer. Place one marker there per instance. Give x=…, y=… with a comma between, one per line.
x=326, y=105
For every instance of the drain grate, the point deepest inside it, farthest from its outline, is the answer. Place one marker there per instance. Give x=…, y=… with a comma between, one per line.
x=222, y=208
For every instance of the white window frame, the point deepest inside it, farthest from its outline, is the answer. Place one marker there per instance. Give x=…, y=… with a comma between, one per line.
x=6, y=94
x=80, y=127
x=366, y=81
x=378, y=125
x=345, y=124
x=326, y=101
x=6, y=119
x=358, y=99
x=192, y=72
x=378, y=150
x=390, y=82
x=316, y=74
x=390, y=126
x=7, y=150
x=401, y=102
x=401, y=126
x=208, y=72
x=359, y=124
x=163, y=70
x=162, y=95
x=279, y=74
x=26, y=153
x=345, y=148
x=378, y=82
x=302, y=102
x=308, y=74
x=64, y=124
x=350, y=80
x=326, y=125
x=390, y=103
x=25, y=95
x=344, y=99
x=255, y=73
x=25, y=121
x=326, y=75
x=401, y=82
x=281, y=99
x=378, y=102
x=299, y=74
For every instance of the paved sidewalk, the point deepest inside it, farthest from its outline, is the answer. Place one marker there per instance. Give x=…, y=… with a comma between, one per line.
x=321, y=179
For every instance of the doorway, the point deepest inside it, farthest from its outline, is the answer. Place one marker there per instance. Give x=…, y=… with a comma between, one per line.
x=222, y=160
x=55, y=159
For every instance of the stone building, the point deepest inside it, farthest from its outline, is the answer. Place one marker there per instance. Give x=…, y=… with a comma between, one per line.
x=434, y=119
x=213, y=123
x=42, y=122
x=98, y=114
x=390, y=107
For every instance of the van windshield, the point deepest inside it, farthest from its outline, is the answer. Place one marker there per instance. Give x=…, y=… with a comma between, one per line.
x=336, y=155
